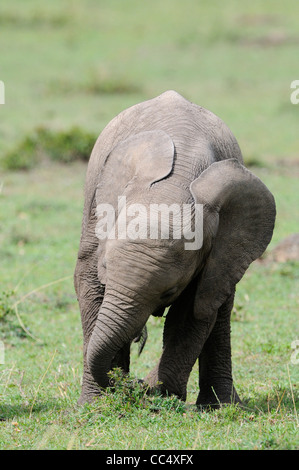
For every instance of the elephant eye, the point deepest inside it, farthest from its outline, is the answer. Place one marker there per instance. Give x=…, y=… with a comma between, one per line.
x=169, y=293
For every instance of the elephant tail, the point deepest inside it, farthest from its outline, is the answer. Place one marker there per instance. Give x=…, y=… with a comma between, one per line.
x=141, y=339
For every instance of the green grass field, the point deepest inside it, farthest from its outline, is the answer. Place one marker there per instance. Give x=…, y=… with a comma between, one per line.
x=77, y=64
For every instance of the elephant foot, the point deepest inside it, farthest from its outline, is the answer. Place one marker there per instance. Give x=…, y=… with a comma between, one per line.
x=162, y=384
x=89, y=392
x=88, y=397
x=152, y=383
x=217, y=395
x=152, y=378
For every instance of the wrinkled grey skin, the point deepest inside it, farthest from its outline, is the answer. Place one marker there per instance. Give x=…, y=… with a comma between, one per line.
x=168, y=150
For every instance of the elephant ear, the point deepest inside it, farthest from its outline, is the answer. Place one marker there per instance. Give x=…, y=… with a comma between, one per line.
x=147, y=157
x=239, y=215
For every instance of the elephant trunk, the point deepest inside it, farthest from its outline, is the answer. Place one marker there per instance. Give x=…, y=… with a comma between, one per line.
x=117, y=324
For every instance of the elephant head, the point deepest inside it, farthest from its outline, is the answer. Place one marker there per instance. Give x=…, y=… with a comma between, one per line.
x=143, y=276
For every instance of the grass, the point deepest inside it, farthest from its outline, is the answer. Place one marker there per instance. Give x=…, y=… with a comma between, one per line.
x=94, y=60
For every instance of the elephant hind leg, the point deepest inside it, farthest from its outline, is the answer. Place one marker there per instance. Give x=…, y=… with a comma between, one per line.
x=215, y=367
x=183, y=339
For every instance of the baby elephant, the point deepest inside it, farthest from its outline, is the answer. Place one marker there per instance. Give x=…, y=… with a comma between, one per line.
x=171, y=218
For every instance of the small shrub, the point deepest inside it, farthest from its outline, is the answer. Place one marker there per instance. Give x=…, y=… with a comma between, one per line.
x=10, y=328
x=126, y=396
x=254, y=161
x=66, y=146
x=5, y=305
x=45, y=144
x=109, y=86
x=23, y=157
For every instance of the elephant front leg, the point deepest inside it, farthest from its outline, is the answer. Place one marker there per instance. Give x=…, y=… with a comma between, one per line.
x=215, y=368
x=89, y=388
x=90, y=294
x=183, y=339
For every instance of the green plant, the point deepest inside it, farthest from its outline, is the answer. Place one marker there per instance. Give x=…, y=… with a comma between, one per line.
x=128, y=396
x=5, y=305
x=23, y=157
x=44, y=144
x=65, y=146
x=10, y=325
